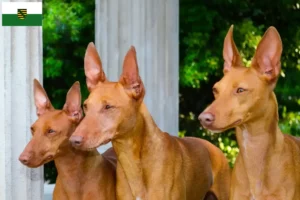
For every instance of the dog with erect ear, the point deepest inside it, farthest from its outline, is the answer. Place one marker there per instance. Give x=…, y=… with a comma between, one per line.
x=268, y=165
x=82, y=175
x=155, y=165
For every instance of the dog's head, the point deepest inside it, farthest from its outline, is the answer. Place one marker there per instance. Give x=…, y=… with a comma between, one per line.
x=111, y=109
x=244, y=93
x=52, y=129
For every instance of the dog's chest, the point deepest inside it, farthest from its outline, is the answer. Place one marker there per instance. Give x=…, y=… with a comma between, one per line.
x=275, y=186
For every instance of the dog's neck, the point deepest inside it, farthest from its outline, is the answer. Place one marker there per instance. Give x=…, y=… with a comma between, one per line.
x=258, y=140
x=74, y=165
x=132, y=149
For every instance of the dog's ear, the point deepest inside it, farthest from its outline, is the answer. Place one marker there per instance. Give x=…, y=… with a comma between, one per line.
x=130, y=78
x=93, y=67
x=41, y=100
x=73, y=103
x=266, y=59
x=231, y=54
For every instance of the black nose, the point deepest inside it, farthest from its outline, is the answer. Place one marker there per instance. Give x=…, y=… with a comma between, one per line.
x=206, y=118
x=76, y=140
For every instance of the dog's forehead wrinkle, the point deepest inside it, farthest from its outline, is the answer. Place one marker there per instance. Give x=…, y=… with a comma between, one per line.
x=106, y=92
x=52, y=119
x=104, y=89
x=239, y=78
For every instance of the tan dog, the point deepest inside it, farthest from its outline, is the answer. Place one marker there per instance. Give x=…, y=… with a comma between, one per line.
x=82, y=175
x=156, y=165
x=268, y=165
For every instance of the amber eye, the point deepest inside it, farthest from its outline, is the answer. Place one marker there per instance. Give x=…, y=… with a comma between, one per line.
x=85, y=106
x=51, y=131
x=215, y=91
x=240, y=90
x=108, y=107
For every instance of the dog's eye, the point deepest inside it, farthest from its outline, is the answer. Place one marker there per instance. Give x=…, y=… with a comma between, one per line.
x=51, y=131
x=108, y=107
x=32, y=130
x=85, y=106
x=215, y=91
x=240, y=90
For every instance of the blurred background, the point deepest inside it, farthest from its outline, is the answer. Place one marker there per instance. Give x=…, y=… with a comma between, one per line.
x=69, y=26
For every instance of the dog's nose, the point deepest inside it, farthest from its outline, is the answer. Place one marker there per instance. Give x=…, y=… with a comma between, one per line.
x=206, y=118
x=24, y=159
x=76, y=140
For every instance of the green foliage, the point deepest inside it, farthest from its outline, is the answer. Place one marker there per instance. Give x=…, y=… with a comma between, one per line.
x=203, y=26
x=229, y=147
x=68, y=26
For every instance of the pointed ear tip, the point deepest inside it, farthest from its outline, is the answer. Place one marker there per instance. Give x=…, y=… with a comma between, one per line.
x=91, y=44
x=272, y=31
x=76, y=84
x=132, y=49
x=229, y=32
x=272, y=28
x=131, y=52
x=90, y=48
x=36, y=83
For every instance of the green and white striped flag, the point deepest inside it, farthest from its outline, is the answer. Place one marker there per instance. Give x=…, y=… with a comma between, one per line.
x=22, y=13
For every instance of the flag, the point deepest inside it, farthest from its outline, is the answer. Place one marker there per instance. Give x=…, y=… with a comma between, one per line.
x=22, y=13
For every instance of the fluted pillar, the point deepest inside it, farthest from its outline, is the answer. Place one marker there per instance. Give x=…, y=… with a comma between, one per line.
x=152, y=27
x=20, y=62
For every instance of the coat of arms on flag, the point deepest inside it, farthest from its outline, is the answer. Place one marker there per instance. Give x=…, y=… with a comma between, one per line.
x=22, y=13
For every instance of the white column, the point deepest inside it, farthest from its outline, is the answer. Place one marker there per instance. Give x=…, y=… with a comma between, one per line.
x=152, y=27
x=20, y=62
